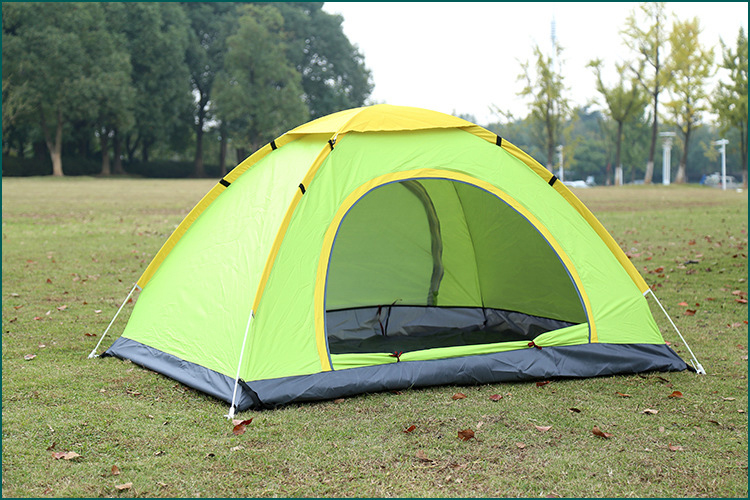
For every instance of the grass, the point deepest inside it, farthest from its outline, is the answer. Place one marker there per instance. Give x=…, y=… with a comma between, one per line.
x=72, y=248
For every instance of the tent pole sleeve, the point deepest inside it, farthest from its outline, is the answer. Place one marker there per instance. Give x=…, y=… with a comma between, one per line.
x=698, y=367
x=93, y=352
x=239, y=366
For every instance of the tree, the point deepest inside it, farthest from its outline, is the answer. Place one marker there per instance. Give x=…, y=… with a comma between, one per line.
x=625, y=101
x=211, y=23
x=549, y=107
x=691, y=67
x=258, y=94
x=730, y=98
x=57, y=59
x=334, y=76
x=156, y=37
x=650, y=44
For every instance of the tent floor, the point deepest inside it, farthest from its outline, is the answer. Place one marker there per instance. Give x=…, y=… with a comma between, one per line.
x=415, y=328
x=404, y=343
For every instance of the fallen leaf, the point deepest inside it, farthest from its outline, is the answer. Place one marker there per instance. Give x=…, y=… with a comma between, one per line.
x=684, y=304
x=29, y=357
x=675, y=394
x=49, y=280
x=125, y=486
x=339, y=400
x=539, y=384
x=209, y=455
x=598, y=432
x=728, y=399
x=520, y=446
x=690, y=312
x=239, y=429
x=543, y=428
x=66, y=455
x=496, y=397
x=458, y=395
x=574, y=410
x=622, y=394
x=422, y=457
x=675, y=447
x=466, y=434
x=90, y=334
x=236, y=448
x=161, y=485
x=62, y=308
x=741, y=301
x=649, y=411
x=411, y=428
x=97, y=311
x=115, y=470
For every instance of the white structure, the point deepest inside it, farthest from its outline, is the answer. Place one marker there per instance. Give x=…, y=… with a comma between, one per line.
x=666, y=167
x=723, y=143
x=560, y=170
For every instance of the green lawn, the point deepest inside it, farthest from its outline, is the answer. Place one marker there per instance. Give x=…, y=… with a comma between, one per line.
x=72, y=249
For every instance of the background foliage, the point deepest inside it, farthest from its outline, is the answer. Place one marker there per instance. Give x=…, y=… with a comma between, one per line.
x=145, y=85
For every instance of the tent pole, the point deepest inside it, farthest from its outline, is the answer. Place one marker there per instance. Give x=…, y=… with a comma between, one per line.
x=93, y=353
x=698, y=367
x=239, y=365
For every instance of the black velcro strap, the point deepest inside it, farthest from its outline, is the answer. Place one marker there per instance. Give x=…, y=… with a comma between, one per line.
x=273, y=145
x=331, y=142
x=553, y=180
x=499, y=141
x=224, y=183
x=302, y=188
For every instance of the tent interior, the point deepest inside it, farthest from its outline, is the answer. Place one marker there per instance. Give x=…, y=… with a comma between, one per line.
x=424, y=263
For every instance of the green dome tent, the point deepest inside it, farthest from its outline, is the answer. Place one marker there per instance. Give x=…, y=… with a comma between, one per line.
x=387, y=247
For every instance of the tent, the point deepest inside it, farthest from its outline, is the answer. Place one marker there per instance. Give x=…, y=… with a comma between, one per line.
x=383, y=248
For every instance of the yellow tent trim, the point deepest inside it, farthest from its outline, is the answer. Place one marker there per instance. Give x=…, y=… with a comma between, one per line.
x=426, y=173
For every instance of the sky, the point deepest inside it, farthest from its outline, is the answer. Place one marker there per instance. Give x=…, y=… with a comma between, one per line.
x=464, y=57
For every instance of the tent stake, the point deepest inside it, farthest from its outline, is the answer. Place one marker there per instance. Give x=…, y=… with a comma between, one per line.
x=230, y=415
x=698, y=367
x=93, y=352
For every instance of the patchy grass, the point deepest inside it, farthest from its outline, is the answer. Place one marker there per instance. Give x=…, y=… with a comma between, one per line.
x=73, y=247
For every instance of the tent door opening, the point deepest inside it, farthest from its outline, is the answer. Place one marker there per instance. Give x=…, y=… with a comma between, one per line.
x=425, y=263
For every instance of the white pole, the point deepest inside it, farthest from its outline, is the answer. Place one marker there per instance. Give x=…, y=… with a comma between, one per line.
x=93, y=353
x=723, y=143
x=560, y=174
x=698, y=367
x=230, y=415
x=666, y=162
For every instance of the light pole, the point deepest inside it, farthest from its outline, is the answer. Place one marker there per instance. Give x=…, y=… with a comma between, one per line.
x=666, y=167
x=723, y=143
x=559, y=149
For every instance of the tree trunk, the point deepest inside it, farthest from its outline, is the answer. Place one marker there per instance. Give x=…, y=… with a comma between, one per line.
x=117, y=147
x=223, y=152
x=104, y=142
x=618, y=157
x=681, y=177
x=652, y=149
x=743, y=152
x=199, y=169
x=144, y=150
x=241, y=155
x=54, y=147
